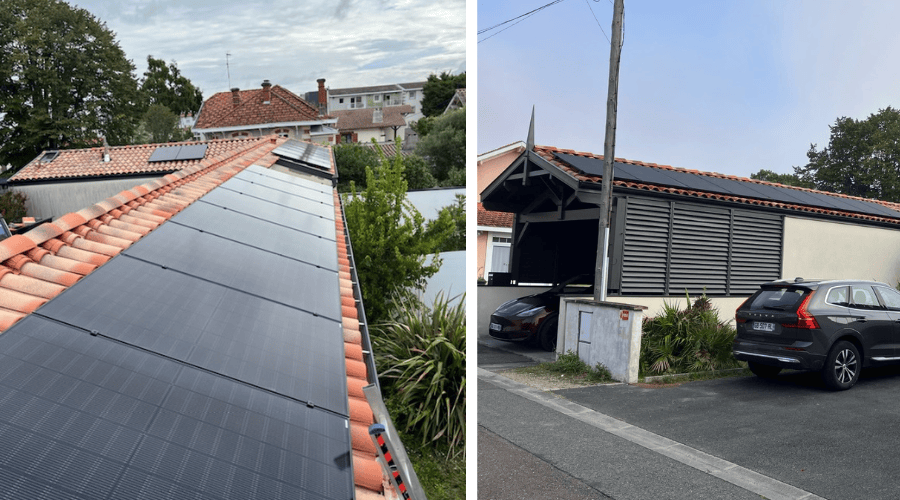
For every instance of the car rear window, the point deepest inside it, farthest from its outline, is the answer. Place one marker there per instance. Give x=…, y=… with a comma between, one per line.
x=779, y=299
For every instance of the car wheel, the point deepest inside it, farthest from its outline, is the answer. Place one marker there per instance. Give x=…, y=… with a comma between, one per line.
x=763, y=371
x=547, y=333
x=842, y=366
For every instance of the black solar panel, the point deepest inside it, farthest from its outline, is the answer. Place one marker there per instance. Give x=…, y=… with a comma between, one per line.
x=306, y=153
x=221, y=330
x=192, y=152
x=270, y=211
x=285, y=280
x=287, y=197
x=688, y=180
x=164, y=153
x=253, y=171
x=175, y=153
x=295, y=242
x=307, y=189
x=87, y=417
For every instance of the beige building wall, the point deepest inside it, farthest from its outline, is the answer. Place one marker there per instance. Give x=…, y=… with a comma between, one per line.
x=481, y=251
x=822, y=249
x=489, y=167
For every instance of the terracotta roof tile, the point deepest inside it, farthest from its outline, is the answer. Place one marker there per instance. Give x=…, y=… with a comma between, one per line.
x=124, y=160
x=361, y=119
x=283, y=106
x=388, y=148
x=494, y=219
x=39, y=265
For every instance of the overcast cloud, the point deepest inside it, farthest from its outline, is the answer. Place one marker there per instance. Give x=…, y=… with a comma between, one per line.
x=350, y=43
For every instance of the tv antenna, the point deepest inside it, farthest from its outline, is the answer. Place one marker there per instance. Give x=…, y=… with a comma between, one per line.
x=228, y=68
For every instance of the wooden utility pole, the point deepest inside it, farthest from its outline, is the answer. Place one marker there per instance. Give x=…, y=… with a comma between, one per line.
x=609, y=152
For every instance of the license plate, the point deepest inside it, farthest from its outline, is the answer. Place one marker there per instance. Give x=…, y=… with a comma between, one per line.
x=763, y=327
x=495, y=327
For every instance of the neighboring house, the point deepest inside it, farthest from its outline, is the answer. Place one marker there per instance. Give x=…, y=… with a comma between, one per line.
x=198, y=335
x=450, y=279
x=362, y=125
x=457, y=101
x=675, y=231
x=62, y=181
x=186, y=121
x=377, y=96
x=267, y=110
x=494, y=228
x=389, y=149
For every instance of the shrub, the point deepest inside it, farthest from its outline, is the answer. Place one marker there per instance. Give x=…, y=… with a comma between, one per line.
x=12, y=206
x=688, y=340
x=421, y=359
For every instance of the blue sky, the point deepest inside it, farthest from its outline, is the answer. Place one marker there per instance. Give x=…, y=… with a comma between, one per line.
x=292, y=43
x=724, y=86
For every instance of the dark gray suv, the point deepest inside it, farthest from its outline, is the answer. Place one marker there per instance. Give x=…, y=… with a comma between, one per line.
x=833, y=326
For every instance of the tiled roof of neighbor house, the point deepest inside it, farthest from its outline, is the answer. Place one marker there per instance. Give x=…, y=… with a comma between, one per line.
x=548, y=154
x=394, y=87
x=361, y=119
x=283, y=107
x=494, y=219
x=388, y=148
x=151, y=404
x=123, y=160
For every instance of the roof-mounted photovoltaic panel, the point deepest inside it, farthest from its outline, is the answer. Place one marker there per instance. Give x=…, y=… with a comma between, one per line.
x=305, y=153
x=732, y=187
x=192, y=152
x=177, y=153
x=87, y=417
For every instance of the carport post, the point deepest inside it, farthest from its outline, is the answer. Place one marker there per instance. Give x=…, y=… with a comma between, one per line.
x=609, y=152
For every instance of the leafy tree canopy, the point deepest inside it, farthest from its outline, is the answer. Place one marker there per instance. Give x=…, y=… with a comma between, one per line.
x=786, y=179
x=64, y=81
x=439, y=90
x=390, y=238
x=164, y=84
x=862, y=158
x=159, y=124
x=353, y=158
x=456, y=214
x=445, y=145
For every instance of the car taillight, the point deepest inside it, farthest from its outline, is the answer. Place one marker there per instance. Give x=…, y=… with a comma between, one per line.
x=740, y=320
x=805, y=320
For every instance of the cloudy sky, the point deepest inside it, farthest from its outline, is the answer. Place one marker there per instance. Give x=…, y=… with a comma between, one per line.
x=731, y=87
x=292, y=43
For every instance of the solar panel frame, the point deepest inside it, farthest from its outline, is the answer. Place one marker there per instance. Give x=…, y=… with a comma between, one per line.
x=303, y=190
x=283, y=197
x=304, y=152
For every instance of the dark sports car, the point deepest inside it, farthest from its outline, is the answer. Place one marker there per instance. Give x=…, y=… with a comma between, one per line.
x=534, y=318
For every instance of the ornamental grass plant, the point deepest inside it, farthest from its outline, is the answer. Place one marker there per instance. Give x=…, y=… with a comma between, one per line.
x=421, y=361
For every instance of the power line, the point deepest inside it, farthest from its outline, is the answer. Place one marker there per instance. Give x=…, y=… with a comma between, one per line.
x=595, y=19
x=481, y=32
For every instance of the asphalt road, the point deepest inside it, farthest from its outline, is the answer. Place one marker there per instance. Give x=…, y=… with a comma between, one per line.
x=790, y=434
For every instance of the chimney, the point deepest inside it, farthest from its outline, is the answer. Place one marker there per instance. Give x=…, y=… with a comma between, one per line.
x=323, y=96
x=267, y=91
x=236, y=96
x=377, y=116
x=105, y=158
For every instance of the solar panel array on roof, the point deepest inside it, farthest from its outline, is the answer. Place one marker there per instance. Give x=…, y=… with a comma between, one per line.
x=690, y=180
x=306, y=153
x=175, y=153
x=205, y=361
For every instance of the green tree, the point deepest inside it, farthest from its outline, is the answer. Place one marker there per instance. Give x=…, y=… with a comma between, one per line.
x=438, y=91
x=64, y=81
x=455, y=215
x=390, y=238
x=445, y=145
x=417, y=172
x=160, y=125
x=786, y=179
x=351, y=160
x=862, y=158
x=164, y=84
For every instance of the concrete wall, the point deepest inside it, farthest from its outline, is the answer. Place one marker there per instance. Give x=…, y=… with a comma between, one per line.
x=822, y=249
x=602, y=332
x=59, y=198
